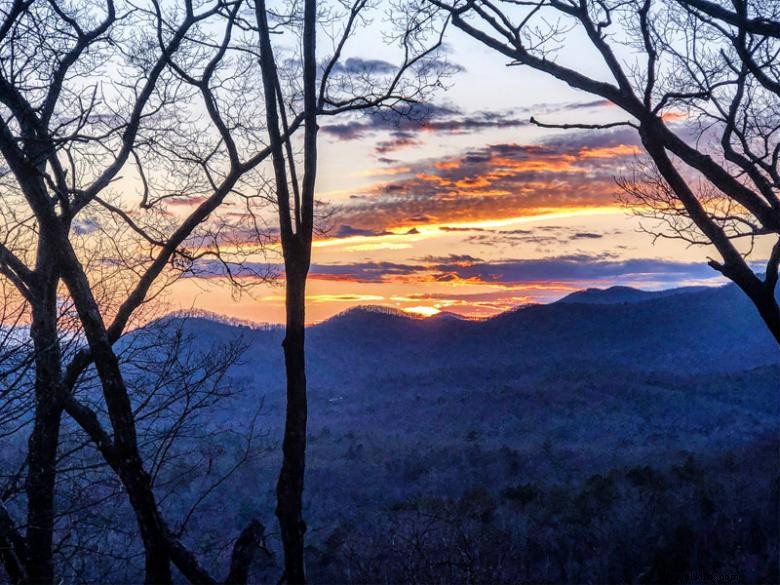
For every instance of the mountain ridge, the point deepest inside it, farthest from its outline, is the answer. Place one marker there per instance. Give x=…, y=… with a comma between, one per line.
x=549, y=413
x=688, y=331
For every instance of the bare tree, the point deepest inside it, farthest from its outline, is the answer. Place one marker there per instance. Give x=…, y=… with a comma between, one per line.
x=184, y=405
x=322, y=89
x=69, y=125
x=180, y=118
x=715, y=63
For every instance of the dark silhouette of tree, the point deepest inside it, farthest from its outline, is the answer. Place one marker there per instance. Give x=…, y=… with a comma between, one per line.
x=714, y=179
x=89, y=92
x=325, y=90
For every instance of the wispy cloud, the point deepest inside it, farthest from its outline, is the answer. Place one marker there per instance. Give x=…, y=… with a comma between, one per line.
x=406, y=123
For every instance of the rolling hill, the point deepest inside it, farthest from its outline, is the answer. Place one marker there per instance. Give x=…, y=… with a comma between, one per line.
x=609, y=423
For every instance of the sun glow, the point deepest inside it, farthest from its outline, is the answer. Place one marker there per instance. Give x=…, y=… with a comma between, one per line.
x=422, y=310
x=540, y=215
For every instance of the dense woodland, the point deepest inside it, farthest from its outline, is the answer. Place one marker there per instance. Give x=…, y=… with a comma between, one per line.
x=432, y=463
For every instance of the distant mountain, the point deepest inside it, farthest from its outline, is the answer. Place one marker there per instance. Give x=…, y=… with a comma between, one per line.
x=571, y=421
x=681, y=331
x=624, y=294
x=678, y=330
x=448, y=316
x=356, y=311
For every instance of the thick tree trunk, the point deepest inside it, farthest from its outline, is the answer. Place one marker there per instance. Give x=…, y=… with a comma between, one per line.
x=128, y=464
x=289, y=489
x=296, y=228
x=13, y=548
x=770, y=312
x=734, y=266
x=123, y=454
x=40, y=491
x=44, y=438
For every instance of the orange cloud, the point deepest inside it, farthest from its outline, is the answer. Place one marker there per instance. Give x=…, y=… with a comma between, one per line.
x=447, y=164
x=574, y=171
x=610, y=151
x=673, y=116
x=548, y=164
x=428, y=177
x=473, y=183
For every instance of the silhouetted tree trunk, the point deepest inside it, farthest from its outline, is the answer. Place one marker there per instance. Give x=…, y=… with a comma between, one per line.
x=760, y=292
x=295, y=203
x=125, y=457
x=44, y=437
x=34, y=145
x=289, y=489
x=296, y=230
x=13, y=548
x=764, y=300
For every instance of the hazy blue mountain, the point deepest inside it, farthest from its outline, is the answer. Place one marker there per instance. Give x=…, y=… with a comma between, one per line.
x=608, y=425
x=624, y=294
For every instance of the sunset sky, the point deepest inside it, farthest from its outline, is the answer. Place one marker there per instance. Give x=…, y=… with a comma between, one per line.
x=474, y=210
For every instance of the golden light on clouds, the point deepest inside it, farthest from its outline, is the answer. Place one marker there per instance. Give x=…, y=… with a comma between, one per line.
x=610, y=151
x=477, y=231
x=399, y=238
x=534, y=216
x=374, y=246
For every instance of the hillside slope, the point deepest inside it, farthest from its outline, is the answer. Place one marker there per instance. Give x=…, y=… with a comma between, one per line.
x=578, y=430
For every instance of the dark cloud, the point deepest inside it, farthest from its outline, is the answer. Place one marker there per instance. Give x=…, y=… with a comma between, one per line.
x=575, y=268
x=591, y=105
x=212, y=268
x=418, y=118
x=405, y=123
x=82, y=227
x=356, y=65
x=457, y=258
x=435, y=65
x=540, y=236
x=346, y=231
x=515, y=239
x=364, y=69
x=346, y=131
x=516, y=232
x=563, y=107
x=462, y=229
x=398, y=141
x=586, y=236
x=363, y=271
x=407, y=117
